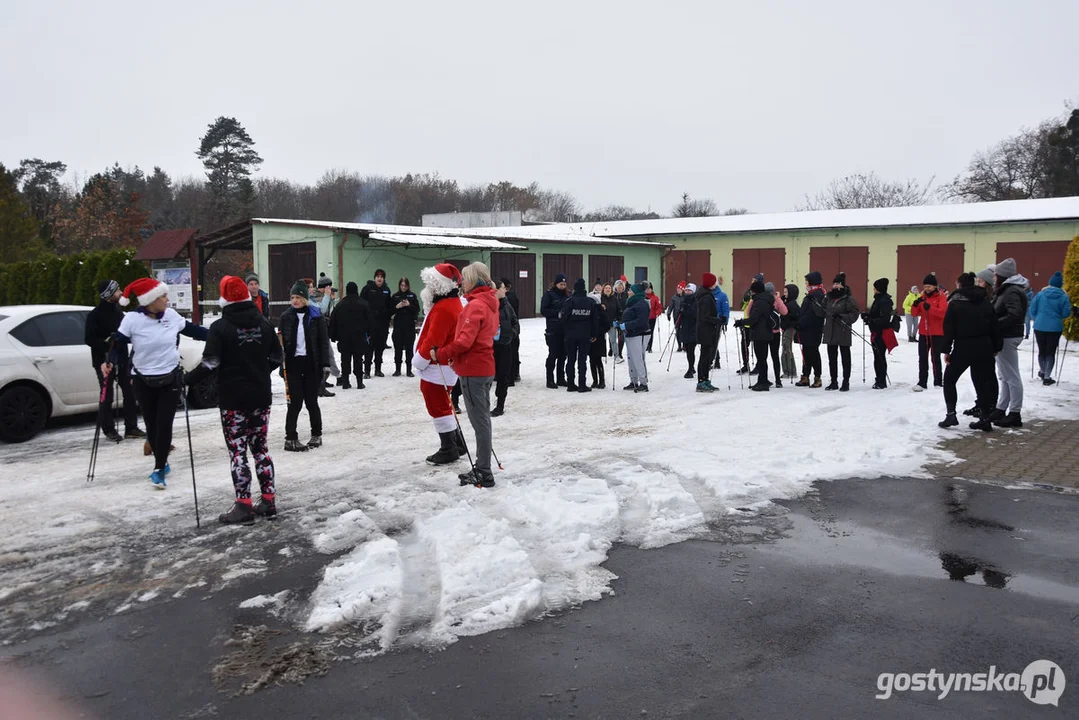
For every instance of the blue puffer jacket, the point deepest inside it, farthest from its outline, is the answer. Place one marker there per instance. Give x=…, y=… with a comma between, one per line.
x=1051, y=307
x=635, y=317
x=723, y=305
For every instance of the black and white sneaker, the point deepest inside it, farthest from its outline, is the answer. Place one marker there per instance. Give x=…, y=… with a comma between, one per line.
x=477, y=478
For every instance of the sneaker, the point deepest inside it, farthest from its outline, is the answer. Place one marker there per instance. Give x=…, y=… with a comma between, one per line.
x=950, y=420
x=711, y=387
x=240, y=514
x=879, y=386
x=918, y=388
x=157, y=477
x=703, y=387
x=134, y=433
x=832, y=386
x=642, y=388
x=689, y=374
x=631, y=386
x=265, y=508
x=315, y=441
x=477, y=478
x=295, y=446
x=112, y=435
x=983, y=425
x=1049, y=381
x=619, y=361
x=167, y=470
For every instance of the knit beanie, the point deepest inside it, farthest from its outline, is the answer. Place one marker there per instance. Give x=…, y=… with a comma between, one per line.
x=769, y=287
x=578, y=285
x=841, y=278
x=637, y=288
x=1004, y=269
x=986, y=275
x=881, y=285
x=966, y=280
x=107, y=288
x=559, y=278
x=299, y=289
x=352, y=288
x=250, y=277
x=756, y=287
x=1057, y=280
x=708, y=280
x=930, y=279
x=814, y=278
x=324, y=281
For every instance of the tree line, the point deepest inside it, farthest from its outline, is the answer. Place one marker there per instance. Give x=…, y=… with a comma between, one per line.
x=41, y=214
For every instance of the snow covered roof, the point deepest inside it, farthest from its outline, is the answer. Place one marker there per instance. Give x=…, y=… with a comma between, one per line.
x=1008, y=211
x=535, y=233
x=453, y=241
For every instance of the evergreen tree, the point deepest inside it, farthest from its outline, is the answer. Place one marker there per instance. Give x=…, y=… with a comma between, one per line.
x=1064, y=172
x=86, y=283
x=18, y=229
x=228, y=154
x=69, y=274
x=40, y=184
x=47, y=291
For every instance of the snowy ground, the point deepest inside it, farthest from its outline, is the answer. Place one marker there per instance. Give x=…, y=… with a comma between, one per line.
x=411, y=557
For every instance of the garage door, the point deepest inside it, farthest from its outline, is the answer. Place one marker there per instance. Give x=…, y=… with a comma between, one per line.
x=605, y=268
x=571, y=266
x=684, y=266
x=519, y=269
x=748, y=262
x=854, y=261
x=914, y=262
x=288, y=263
x=1036, y=261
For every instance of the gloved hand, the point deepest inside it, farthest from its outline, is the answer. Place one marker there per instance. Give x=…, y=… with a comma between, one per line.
x=740, y=323
x=723, y=321
x=614, y=324
x=865, y=318
x=622, y=327
x=917, y=302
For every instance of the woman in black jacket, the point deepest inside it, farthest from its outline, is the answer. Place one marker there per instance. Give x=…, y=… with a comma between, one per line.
x=509, y=331
x=405, y=309
x=686, y=323
x=877, y=319
x=971, y=339
x=307, y=365
x=350, y=328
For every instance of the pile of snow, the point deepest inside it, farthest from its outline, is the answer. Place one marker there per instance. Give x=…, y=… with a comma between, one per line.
x=412, y=558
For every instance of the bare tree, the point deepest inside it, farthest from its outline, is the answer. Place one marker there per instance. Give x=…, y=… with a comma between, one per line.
x=618, y=212
x=554, y=206
x=869, y=191
x=736, y=211
x=695, y=208
x=1017, y=168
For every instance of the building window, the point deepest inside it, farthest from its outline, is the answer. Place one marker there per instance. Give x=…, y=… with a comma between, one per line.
x=640, y=274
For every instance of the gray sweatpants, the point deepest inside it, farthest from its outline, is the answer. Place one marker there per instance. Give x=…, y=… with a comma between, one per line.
x=1011, y=380
x=476, y=392
x=638, y=373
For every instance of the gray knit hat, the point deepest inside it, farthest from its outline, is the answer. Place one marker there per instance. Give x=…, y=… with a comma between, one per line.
x=1004, y=268
x=769, y=287
x=986, y=275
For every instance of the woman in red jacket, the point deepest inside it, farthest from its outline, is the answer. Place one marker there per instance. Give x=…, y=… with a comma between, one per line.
x=655, y=309
x=930, y=308
x=473, y=359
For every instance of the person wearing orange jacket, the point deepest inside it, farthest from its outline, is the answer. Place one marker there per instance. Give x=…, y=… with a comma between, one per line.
x=655, y=309
x=472, y=355
x=930, y=308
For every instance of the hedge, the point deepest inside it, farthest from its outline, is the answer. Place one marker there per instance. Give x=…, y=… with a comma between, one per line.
x=1071, y=286
x=69, y=280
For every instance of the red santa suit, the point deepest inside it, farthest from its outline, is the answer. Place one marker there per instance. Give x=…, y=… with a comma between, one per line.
x=439, y=327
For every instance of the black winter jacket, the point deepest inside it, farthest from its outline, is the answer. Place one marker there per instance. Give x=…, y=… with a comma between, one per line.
x=880, y=313
x=1011, y=308
x=242, y=347
x=509, y=328
x=635, y=317
x=840, y=310
x=686, y=321
x=760, y=318
x=580, y=317
x=707, y=321
x=404, y=319
x=380, y=302
x=315, y=333
x=620, y=300
x=101, y=323
x=550, y=307
x=350, y=324
x=811, y=319
x=610, y=312
x=793, y=316
x=971, y=328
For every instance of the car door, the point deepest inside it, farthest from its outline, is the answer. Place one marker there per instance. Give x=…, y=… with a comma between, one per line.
x=53, y=342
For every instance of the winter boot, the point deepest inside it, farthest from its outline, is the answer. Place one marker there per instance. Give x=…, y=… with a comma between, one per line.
x=631, y=386
x=447, y=453
x=359, y=383
x=550, y=380
x=1011, y=420
x=816, y=383
x=689, y=374
x=462, y=446
x=477, y=478
x=760, y=386
x=974, y=411
x=845, y=387
x=983, y=424
x=323, y=392
x=779, y=383
x=878, y=385
x=994, y=416
x=134, y=433
x=702, y=387
x=950, y=420
x=266, y=507
x=1049, y=381
x=345, y=385
x=111, y=434
x=584, y=388
x=803, y=382
x=571, y=387
x=642, y=388
x=294, y=445
x=834, y=385
x=240, y=514
x=408, y=369
x=500, y=408
x=397, y=372
x=378, y=372
x=315, y=442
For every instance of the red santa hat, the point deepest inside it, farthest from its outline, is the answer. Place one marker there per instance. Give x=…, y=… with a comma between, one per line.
x=233, y=290
x=145, y=291
x=442, y=278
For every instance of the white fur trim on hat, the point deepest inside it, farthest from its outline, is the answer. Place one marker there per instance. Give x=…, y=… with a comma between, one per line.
x=158, y=291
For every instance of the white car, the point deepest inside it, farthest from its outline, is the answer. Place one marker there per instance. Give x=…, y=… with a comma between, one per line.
x=45, y=369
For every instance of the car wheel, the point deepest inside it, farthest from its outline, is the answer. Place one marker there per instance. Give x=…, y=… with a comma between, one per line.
x=204, y=393
x=23, y=413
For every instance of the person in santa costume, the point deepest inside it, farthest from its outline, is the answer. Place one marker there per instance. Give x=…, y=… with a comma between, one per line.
x=243, y=348
x=442, y=306
x=153, y=332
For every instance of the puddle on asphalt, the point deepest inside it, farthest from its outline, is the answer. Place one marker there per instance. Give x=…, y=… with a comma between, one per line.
x=839, y=543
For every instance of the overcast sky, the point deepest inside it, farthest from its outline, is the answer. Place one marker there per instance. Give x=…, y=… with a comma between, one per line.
x=752, y=104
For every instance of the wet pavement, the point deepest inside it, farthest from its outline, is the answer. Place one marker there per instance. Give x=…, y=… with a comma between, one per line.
x=791, y=614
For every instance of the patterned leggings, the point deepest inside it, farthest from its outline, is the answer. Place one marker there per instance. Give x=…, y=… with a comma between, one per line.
x=243, y=430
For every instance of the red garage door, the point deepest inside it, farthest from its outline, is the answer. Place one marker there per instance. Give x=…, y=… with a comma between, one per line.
x=687, y=266
x=914, y=262
x=748, y=262
x=605, y=268
x=519, y=269
x=569, y=265
x=1036, y=261
x=854, y=261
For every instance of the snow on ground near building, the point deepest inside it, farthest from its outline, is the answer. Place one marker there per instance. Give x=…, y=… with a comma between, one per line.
x=411, y=557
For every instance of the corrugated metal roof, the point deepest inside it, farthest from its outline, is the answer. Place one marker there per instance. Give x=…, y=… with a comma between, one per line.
x=450, y=241
x=1007, y=211
x=165, y=244
x=535, y=233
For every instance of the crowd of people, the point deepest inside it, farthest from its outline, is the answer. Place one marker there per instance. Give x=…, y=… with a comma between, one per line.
x=469, y=341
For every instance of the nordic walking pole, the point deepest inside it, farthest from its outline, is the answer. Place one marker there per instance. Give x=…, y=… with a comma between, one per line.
x=449, y=397
x=1060, y=368
x=1032, y=344
x=191, y=455
x=97, y=429
x=727, y=352
x=863, y=359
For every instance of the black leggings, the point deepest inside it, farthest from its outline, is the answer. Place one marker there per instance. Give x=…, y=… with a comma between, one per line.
x=760, y=349
x=880, y=359
x=704, y=362
x=982, y=373
x=691, y=353
x=158, y=410
x=773, y=347
x=843, y=350
x=811, y=362
x=304, y=381
x=596, y=352
x=120, y=375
